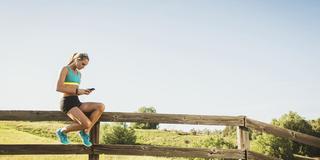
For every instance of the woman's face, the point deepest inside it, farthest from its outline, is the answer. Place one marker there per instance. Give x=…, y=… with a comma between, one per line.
x=82, y=63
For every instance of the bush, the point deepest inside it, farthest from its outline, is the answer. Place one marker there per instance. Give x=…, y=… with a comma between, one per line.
x=273, y=146
x=143, y=125
x=118, y=134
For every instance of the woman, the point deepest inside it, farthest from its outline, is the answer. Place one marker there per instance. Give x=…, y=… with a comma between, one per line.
x=68, y=84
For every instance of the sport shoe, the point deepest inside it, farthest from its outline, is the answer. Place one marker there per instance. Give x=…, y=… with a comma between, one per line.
x=62, y=137
x=85, y=138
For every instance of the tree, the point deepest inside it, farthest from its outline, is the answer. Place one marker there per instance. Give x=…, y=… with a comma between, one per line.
x=283, y=147
x=146, y=125
x=316, y=129
x=315, y=126
x=295, y=122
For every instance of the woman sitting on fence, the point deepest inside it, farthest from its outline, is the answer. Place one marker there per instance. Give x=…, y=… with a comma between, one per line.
x=70, y=104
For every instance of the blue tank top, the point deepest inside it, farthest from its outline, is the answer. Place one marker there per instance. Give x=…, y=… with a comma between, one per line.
x=72, y=78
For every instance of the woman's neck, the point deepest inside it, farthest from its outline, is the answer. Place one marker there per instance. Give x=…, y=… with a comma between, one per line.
x=73, y=67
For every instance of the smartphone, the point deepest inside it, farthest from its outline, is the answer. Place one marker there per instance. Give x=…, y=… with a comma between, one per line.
x=91, y=89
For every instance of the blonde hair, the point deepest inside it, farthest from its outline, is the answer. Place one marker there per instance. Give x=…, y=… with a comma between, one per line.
x=79, y=56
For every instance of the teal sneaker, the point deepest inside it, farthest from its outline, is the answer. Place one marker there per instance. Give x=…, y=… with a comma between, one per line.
x=85, y=138
x=62, y=137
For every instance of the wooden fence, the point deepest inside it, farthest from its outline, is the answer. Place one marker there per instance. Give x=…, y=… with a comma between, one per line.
x=243, y=124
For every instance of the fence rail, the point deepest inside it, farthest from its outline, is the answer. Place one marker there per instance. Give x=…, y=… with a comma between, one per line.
x=127, y=117
x=144, y=150
x=285, y=133
x=242, y=123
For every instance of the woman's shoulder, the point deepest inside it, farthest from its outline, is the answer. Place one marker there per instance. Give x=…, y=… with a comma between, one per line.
x=65, y=69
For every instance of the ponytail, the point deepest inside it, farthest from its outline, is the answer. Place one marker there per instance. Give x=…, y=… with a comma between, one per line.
x=72, y=58
x=76, y=55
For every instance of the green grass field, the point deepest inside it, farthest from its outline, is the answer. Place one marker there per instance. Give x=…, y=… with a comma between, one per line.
x=148, y=137
x=12, y=132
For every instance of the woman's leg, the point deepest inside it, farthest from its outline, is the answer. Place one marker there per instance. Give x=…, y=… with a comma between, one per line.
x=96, y=108
x=81, y=121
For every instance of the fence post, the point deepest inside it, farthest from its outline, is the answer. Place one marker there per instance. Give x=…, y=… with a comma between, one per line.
x=243, y=139
x=94, y=139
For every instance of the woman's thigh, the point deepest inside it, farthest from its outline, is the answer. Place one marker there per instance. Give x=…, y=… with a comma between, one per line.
x=91, y=106
x=77, y=115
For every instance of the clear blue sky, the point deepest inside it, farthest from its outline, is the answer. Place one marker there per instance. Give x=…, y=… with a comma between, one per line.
x=254, y=58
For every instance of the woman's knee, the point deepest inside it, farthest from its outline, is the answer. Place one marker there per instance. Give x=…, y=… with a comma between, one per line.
x=101, y=107
x=87, y=124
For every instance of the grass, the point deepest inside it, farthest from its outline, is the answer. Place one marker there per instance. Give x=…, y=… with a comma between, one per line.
x=166, y=138
x=42, y=129
x=9, y=135
x=149, y=137
x=12, y=132
x=24, y=132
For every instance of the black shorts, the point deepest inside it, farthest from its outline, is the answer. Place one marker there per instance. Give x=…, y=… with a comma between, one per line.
x=68, y=102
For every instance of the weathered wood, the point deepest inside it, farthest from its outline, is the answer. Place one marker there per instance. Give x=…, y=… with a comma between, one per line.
x=241, y=121
x=173, y=118
x=258, y=156
x=95, y=139
x=142, y=150
x=127, y=117
x=17, y=149
x=146, y=150
x=243, y=138
x=300, y=157
x=243, y=141
x=282, y=132
x=138, y=150
x=94, y=134
x=24, y=115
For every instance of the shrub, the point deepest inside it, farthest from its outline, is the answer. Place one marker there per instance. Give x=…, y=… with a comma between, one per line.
x=118, y=134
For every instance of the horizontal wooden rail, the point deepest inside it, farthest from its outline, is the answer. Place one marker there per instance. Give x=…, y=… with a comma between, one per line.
x=300, y=157
x=97, y=149
x=147, y=150
x=174, y=118
x=139, y=150
x=25, y=115
x=25, y=149
x=127, y=117
x=282, y=132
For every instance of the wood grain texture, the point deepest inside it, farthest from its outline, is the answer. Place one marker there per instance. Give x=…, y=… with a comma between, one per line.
x=94, y=138
x=25, y=149
x=243, y=141
x=142, y=150
x=282, y=132
x=146, y=150
x=127, y=117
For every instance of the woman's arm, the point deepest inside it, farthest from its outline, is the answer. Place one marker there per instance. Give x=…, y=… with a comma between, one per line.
x=60, y=84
